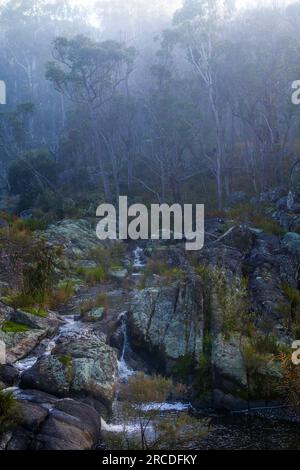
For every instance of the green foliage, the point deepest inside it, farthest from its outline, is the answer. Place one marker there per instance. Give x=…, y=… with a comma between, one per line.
x=13, y=327
x=39, y=272
x=246, y=212
x=30, y=265
x=100, y=301
x=25, y=302
x=102, y=256
x=266, y=344
x=232, y=296
x=202, y=375
x=10, y=412
x=291, y=310
x=66, y=361
x=203, y=271
x=36, y=311
x=233, y=299
x=167, y=432
x=35, y=224
x=94, y=276
x=31, y=176
x=202, y=380
x=48, y=201
x=292, y=294
x=184, y=367
x=107, y=259
x=159, y=267
x=142, y=389
x=61, y=294
x=262, y=368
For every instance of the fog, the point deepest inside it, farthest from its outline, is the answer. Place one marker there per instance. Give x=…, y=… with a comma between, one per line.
x=168, y=101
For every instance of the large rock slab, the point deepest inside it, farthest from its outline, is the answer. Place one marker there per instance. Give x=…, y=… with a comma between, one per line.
x=85, y=367
x=228, y=364
x=52, y=424
x=20, y=344
x=70, y=426
x=76, y=237
x=167, y=323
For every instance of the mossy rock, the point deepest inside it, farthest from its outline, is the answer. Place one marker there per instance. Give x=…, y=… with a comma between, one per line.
x=94, y=315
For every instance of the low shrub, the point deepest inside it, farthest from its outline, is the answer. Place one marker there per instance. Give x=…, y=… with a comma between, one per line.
x=184, y=367
x=94, y=276
x=61, y=295
x=100, y=301
x=10, y=412
x=160, y=268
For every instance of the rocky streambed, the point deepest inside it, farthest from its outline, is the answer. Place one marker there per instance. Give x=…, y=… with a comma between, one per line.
x=65, y=369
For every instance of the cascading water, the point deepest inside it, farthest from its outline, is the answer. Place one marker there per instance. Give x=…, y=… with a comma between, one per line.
x=70, y=326
x=138, y=262
x=124, y=370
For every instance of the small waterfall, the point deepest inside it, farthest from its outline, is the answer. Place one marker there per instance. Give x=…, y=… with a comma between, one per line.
x=25, y=364
x=138, y=262
x=124, y=370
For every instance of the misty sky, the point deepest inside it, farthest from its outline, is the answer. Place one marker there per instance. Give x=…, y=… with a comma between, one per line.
x=173, y=4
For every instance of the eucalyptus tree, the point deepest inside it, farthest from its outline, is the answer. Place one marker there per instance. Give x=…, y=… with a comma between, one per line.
x=169, y=116
x=90, y=74
x=198, y=28
x=259, y=66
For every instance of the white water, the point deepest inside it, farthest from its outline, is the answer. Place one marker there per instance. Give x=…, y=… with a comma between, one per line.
x=177, y=406
x=70, y=326
x=25, y=364
x=119, y=428
x=124, y=371
x=138, y=263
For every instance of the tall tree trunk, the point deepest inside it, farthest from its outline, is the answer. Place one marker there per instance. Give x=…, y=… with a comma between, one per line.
x=220, y=147
x=104, y=177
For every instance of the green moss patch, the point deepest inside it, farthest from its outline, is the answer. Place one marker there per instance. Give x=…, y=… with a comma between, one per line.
x=36, y=311
x=13, y=327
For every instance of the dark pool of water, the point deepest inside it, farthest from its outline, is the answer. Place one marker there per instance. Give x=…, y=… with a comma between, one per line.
x=240, y=432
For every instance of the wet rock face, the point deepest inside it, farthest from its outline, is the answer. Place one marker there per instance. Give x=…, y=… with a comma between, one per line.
x=20, y=343
x=167, y=323
x=82, y=367
x=52, y=424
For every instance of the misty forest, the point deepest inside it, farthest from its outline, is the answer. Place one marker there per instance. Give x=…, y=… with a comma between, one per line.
x=141, y=344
